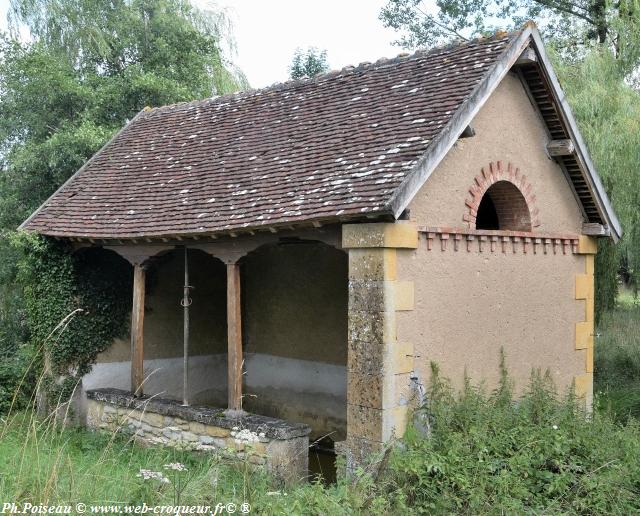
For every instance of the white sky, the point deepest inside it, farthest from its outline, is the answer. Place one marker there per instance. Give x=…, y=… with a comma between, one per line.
x=267, y=33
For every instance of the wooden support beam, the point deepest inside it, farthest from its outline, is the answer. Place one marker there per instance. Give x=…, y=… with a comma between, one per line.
x=468, y=132
x=595, y=229
x=234, y=337
x=560, y=148
x=137, y=330
x=528, y=57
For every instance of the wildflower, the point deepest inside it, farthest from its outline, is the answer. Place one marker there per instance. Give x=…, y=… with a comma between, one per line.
x=245, y=436
x=175, y=466
x=555, y=427
x=147, y=474
x=261, y=434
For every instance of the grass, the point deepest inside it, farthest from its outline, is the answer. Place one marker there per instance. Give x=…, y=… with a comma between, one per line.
x=45, y=464
x=483, y=455
x=41, y=463
x=617, y=360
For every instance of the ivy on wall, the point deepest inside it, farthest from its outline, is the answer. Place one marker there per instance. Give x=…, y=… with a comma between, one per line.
x=76, y=304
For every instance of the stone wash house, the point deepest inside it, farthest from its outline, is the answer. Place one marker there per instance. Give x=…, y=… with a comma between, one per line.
x=340, y=234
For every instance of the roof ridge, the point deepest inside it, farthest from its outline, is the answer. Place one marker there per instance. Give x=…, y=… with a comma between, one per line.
x=347, y=69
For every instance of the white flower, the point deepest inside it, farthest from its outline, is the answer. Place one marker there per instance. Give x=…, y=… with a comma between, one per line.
x=555, y=427
x=176, y=466
x=261, y=434
x=147, y=474
x=245, y=436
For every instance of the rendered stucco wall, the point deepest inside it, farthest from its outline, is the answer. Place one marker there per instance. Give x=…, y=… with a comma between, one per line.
x=163, y=312
x=295, y=302
x=468, y=303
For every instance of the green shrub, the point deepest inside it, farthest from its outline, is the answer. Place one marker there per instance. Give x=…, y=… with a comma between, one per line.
x=489, y=455
x=17, y=379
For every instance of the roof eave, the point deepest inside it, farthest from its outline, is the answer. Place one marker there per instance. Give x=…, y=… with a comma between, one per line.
x=591, y=175
x=314, y=222
x=24, y=225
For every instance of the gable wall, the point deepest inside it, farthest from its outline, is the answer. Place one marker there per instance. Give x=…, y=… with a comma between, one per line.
x=508, y=129
x=469, y=304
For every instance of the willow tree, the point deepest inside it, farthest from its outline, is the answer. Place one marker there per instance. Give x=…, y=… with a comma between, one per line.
x=89, y=67
x=576, y=25
x=607, y=109
x=86, y=67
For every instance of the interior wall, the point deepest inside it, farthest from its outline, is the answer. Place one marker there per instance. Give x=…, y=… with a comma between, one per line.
x=163, y=333
x=294, y=300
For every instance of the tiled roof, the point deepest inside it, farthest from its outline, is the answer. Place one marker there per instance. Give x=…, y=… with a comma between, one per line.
x=330, y=148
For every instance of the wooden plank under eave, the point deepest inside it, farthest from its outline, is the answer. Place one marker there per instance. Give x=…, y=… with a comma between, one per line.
x=137, y=331
x=560, y=147
x=234, y=337
x=594, y=229
x=528, y=57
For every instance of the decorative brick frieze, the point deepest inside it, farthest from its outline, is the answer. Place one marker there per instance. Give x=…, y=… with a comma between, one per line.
x=494, y=241
x=502, y=197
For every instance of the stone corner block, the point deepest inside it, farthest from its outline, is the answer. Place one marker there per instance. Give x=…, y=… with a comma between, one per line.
x=584, y=385
x=587, y=245
x=373, y=264
x=584, y=335
x=403, y=361
x=399, y=235
x=584, y=286
x=404, y=295
x=364, y=422
x=590, y=264
x=359, y=452
x=589, y=360
x=395, y=422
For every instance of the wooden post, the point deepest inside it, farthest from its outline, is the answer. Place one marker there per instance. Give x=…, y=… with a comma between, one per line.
x=186, y=302
x=234, y=337
x=137, y=330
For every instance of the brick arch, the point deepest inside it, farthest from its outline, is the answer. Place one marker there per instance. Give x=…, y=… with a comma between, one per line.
x=503, y=180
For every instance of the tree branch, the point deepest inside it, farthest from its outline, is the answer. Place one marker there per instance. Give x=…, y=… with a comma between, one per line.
x=441, y=25
x=567, y=10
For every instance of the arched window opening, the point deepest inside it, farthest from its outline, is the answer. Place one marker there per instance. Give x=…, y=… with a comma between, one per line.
x=503, y=207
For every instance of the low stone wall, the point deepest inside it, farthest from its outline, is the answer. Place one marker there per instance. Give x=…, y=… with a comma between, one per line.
x=280, y=446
